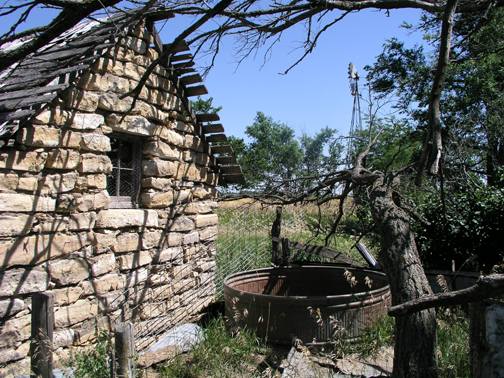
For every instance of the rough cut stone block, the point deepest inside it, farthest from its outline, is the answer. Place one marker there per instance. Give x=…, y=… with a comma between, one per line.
x=193, y=142
x=67, y=295
x=39, y=136
x=131, y=124
x=86, y=121
x=161, y=168
x=81, y=100
x=173, y=255
x=181, y=223
x=205, y=220
x=202, y=207
x=134, y=260
x=68, y=271
x=14, y=354
x=127, y=242
x=160, y=240
x=23, y=281
x=63, y=338
x=31, y=161
x=70, y=139
x=162, y=150
x=105, y=83
x=54, y=115
x=39, y=248
x=156, y=200
x=62, y=159
x=58, y=183
x=79, y=311
x=136, y=277
x=83, y=221
x=48, y=223
x=10, y=307
x=103, y=241
x=103, y=264
x=25, y=202
x=103, y=284
x=91, y=201
x=159, y=183
x=190, y=238
x=112, y=103
x=118, y=218
x=92, y=181
x=95, y=142
x=9, y=181
x=202, y=193
x=91, y=163
x=171, y=136
x=208, y=233
x=15, y=224
x=29, y=184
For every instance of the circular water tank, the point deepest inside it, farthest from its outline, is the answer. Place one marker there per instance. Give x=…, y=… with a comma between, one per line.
x=313, y=303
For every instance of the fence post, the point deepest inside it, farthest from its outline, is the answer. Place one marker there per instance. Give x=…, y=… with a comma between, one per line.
x=275, y=236
x=285, y=251
x=42, y=326
x=124, y=350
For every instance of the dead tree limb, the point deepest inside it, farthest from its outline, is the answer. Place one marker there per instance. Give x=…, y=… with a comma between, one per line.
x=433, y=143
x=486, y=287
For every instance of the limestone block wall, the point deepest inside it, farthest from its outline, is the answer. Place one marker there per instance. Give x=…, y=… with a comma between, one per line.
x=153, y=264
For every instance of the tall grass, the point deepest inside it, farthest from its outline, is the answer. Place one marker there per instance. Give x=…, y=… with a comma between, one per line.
x=220, y=354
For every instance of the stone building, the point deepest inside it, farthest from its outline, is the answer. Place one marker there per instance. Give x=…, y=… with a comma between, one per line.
x=107, y=198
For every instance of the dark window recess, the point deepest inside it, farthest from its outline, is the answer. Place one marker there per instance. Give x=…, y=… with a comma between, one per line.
x=123, y=184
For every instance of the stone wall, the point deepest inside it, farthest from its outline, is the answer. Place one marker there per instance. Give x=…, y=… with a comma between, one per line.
x=153, y=264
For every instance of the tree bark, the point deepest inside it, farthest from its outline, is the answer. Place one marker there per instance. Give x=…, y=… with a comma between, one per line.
x=415, y=334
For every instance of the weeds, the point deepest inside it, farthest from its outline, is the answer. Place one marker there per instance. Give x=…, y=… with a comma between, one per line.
x=93, y=363
x=453, y=344
x=220, y=354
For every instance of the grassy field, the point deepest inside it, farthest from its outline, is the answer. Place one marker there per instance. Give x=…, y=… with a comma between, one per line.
x=245, y=234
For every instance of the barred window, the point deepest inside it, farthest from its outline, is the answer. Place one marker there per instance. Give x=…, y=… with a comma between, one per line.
x=123, y=184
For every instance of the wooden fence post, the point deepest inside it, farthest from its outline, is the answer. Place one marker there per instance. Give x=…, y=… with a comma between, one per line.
x=276, y=229
x=42, y=326
x=124, y=350
x=285, y=251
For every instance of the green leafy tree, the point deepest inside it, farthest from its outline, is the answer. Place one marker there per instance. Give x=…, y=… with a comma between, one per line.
x=273, y=154
x=205, y=106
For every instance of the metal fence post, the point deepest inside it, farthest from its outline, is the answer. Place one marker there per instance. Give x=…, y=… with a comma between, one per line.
x=42, y=326
x=124, y=350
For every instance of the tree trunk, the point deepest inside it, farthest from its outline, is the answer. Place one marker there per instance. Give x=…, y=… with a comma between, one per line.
x=415, y=335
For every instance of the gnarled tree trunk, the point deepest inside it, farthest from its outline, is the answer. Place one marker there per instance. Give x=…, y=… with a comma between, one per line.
x=415, y=335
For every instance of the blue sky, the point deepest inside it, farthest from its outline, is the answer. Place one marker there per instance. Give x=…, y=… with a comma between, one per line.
x=314, y=94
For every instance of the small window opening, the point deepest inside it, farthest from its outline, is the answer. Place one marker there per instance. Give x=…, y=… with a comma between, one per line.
x=123, y=184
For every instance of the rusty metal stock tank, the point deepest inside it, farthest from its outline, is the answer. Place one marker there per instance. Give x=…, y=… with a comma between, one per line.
x=309, y=302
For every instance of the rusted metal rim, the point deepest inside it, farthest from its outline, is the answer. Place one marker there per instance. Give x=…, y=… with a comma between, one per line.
x=368, y=297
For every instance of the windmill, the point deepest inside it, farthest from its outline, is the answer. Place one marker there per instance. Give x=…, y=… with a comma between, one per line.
x=356, y=123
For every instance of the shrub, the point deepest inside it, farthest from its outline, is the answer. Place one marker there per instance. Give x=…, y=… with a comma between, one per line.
x=95, y=362
x=467, y=228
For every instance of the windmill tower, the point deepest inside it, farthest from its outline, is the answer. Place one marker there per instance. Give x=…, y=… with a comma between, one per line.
x=356, y=123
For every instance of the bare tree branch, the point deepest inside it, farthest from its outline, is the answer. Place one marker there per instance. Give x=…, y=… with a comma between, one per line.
x=486, y=287
x=433, y=144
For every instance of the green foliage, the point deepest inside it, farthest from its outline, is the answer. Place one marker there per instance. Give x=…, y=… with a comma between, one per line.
x=467, y=228
x=220, y=354
x=273, y=154
x=314, y=158
x=374, y=338
x=93, y=363
x=453, y=345
x=200, y=106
